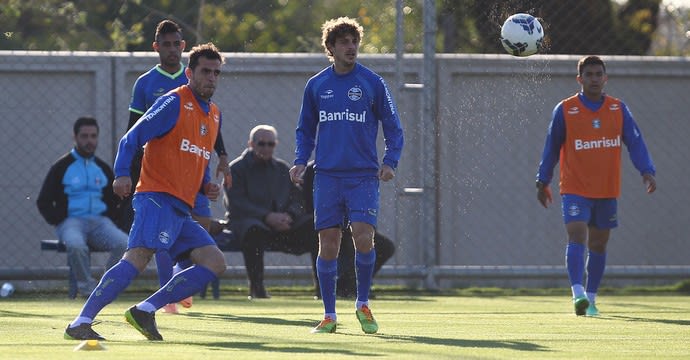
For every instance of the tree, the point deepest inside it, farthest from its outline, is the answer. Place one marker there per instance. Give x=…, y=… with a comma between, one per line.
x=257, y=26
x=571, y=26
x=465, y=26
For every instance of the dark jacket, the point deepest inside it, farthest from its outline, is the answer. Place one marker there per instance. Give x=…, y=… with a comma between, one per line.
x=77, y=186
x=259, y=188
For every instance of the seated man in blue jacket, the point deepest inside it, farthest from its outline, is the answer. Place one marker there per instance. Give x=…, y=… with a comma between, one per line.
x=77, y=198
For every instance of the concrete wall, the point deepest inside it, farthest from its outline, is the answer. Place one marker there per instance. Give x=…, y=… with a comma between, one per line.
x=493, y=112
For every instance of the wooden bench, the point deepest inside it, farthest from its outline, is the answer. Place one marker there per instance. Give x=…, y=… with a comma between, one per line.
x=226, y=241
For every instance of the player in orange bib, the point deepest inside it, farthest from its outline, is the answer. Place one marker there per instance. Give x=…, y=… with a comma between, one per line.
x=179, y=132
x=586, y=134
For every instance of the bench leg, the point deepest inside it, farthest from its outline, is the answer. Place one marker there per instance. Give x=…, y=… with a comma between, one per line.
x=202, y=293
x=72, y=294
x=215, y=289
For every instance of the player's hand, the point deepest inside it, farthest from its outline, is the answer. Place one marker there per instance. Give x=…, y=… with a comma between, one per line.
x=222, y=169
x=212, y=191
x=650, y=183
x=297, y=174
x=122, y=186
x=227, y=180
x=386, y=173
x=544, y=196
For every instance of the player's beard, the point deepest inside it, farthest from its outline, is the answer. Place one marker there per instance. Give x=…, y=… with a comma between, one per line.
x=172, y=60
x=206, y=92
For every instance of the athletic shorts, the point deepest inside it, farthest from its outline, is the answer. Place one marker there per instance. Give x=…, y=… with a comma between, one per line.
x=202, y=205
x=160, y=223
x=600, y=213
x=339, y=200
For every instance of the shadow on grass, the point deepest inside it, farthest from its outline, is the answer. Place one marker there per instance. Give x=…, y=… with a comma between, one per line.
x=433, y=341
x=456, y=343
x=272, y=348
x=251, y=319
x=17, y=314
x=465, y=343
x=650, y=320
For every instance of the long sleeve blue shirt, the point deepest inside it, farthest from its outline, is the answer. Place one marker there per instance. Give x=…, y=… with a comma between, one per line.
x=347, y=109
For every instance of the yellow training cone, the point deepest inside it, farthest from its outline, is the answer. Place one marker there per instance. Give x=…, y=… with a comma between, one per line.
x=89, y=345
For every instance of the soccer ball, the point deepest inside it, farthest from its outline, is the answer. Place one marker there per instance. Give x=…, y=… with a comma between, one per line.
x=7, y=290
x=522, y=35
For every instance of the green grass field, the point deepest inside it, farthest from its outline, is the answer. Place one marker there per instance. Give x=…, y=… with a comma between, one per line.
x=480, y=325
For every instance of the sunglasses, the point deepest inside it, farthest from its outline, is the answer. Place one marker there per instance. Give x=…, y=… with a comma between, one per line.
x=266, y=143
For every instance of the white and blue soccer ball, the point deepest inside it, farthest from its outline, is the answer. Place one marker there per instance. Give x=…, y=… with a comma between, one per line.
x=6, y=290
x=522, y=35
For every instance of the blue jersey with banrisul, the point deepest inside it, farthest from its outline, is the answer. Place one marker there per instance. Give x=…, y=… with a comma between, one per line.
x=340, y=118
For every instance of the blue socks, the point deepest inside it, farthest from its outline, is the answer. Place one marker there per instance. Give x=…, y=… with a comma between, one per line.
x=364, y=268
x=575, y=262
x=596, y=263
x=184, y=284
x=113, y=282
x=164, y=264
x=327, y=271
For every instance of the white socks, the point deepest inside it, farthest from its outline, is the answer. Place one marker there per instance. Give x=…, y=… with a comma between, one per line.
x=578, y=291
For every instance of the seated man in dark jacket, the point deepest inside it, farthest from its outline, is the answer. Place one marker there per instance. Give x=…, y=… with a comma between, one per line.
x=265, y=209
x=347, y=281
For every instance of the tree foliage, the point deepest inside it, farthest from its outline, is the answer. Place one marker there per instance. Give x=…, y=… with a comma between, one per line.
x=464, y=26
x=234, y=25
x=571, y=26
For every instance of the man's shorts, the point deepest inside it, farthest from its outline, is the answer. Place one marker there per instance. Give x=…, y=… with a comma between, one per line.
x=338, y=199
x=202, y=205
x=600, y=213
x=160, y=223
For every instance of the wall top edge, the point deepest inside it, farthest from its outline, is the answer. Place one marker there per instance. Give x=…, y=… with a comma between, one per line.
x=439, y=56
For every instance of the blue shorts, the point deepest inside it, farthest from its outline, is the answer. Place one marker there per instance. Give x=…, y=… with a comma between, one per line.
x=160, y=223
x=202, y=205
x=600, y=213
x=340, y=200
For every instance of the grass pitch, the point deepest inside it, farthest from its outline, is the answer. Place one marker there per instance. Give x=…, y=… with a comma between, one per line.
x=412, y=326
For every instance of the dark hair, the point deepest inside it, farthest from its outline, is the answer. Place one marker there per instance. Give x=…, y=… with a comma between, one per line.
x=167, y=27
x=208, y=51
x=335, y=28
x=589, y=60
x=84, y=121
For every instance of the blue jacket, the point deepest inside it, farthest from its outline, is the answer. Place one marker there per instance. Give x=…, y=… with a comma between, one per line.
x=77, y=187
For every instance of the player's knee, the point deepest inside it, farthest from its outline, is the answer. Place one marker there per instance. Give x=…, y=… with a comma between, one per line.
x=328, y=250
x=364, y=245
x=218, y=267
x=139, y=257
x=211, y=258
x=363, y=238
x=219, y=264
